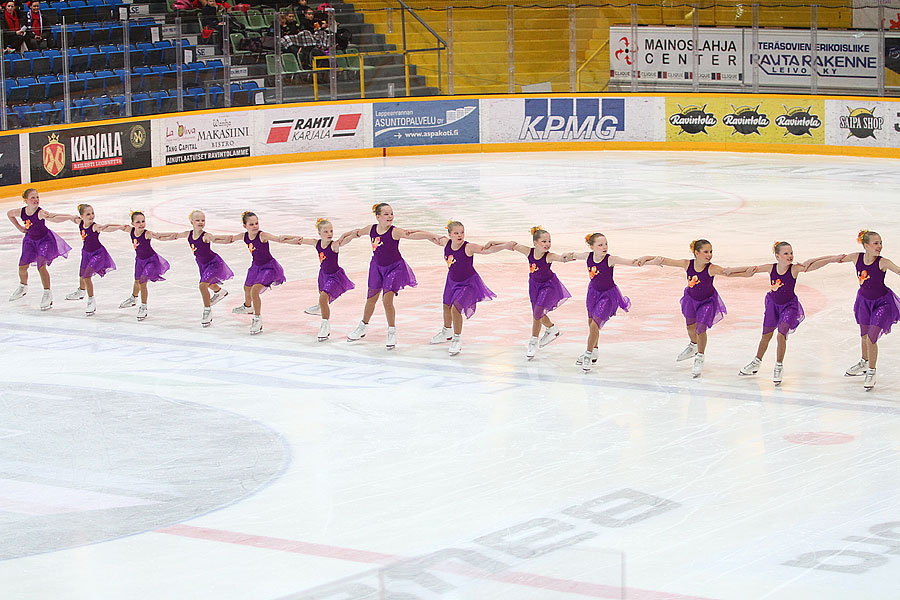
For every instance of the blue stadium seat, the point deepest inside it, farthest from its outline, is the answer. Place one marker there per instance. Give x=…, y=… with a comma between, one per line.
x=40, y=64
x=96, y=59
x=138, y=32
x=91, y=81
x=21, y=111
x=108, y=107
x=78, y=61
x=203, y=73
x=63, y=11
x=217, y=67
x=99, y=35
x=216, y=96
x=19, y=66
x=194, y=99
x=112, y=83
x=77, y=86
x=115, y=58
x=12, y=120
x=101, y=10
x=55, y=57
x=167, y=51
x=81, y=35
x=137, y=78
x=152, y=55
x=16, y=94
x=115, y=31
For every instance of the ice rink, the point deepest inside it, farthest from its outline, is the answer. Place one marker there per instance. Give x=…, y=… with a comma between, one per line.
x=159, y=459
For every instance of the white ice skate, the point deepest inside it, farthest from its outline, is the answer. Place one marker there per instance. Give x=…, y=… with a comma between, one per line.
x=391, y=342
x=142, y=312
x=444, y=335
x=20, y=291
x=315, y=309
x=688, y=352
x=455, y=344
x=91, y=307
x=697, y=369
x=752, y=367
x=256, y=325
x=78, y=294
x=776, y=374
x=595, y=356
x=217, y=296
x=206, y=320
x=46, y=300
x=857, y=369
x=586, y=362
x=532, y=348
x=358, y=333
x=131, y=301
x=324, y=331
x=869, y=382
x=242, y=309
x=550, y=336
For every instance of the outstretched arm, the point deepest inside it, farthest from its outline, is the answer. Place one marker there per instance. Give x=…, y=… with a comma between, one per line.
x=662, y=261
x=163, y=237
x=478, y=249
x=817, y=263
x=184, y=234
x=354, y=234
x=565, y=257
x=624, y=262
x=441, y=240
x=580, y=255
x=412, y=234
x=744, y=271
x=281, y=239
x=13, y=216
x=225, y=239
x=111, y=227
x=889, y=265
x=58, y=217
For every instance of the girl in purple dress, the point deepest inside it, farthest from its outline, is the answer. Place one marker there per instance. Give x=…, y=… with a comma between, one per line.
x=39, y=246
x=333, y=281
x=783, y=312
x=604, y=299
x=877, y=308
x=213, y=270
x=701, y=305
x=95, y=259
x=388, y=272
x=545, y=290
x=148, y=265
x=464, y=288
x=264, y=271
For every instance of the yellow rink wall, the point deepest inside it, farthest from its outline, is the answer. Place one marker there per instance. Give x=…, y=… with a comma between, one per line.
x=78, y=155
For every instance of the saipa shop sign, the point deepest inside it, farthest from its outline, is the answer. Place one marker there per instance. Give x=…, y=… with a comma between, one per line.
x=745, y=119
x=57, y=154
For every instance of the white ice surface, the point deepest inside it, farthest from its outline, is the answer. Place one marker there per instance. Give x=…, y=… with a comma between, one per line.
x=351, y=459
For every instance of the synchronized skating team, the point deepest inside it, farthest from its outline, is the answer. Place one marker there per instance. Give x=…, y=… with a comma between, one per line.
x=876, y=309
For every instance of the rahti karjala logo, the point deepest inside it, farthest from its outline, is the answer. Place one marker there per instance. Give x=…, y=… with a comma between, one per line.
x=693, y=119
x=861, y=123
x=746, y=119
x=798, y=121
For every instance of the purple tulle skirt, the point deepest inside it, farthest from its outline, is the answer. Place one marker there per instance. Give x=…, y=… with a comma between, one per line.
x=705, y=313
x=215, y=271
x=783, y=317
x=465, y=294
x=98, y=262
x=391, y=278
x=546, y=295
x=875, y=317
x=150, y=269
x=42, y=251
x=602, y=305
x=334, y=284
x=267, y=275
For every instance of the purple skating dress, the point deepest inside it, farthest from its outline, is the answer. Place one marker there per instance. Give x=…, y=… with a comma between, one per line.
x=783, y=310
x=464, y=288
x=701, y=303
x=95, y=259
x=332, y=279
x=545, y=290
x=388, y=272
x=213, y=269
x=877, y=308
x=40, y=245
x=604, y=298
x=148, y=265
x=264, y=269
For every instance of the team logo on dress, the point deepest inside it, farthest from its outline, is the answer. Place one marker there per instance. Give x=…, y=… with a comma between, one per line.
x=54, y=155
x=135, y=243
x=861, y=123
x=798, y=121
x=193, y=249
x=592, y=272
x=376, y=242
x=694, y=280
x=693, y=119
x=776, y=285
x=251, y=247
x=863, y=277
x=746, y=120
x=532, y=268
x=450, y=261
x=83, y=234
x=27, y=224
x=138, y=136
x=321, y=257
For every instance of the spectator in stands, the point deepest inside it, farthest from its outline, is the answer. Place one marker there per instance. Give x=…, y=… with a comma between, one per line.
x=213, y=24
x=323, y=35
x=289, y=32
x=36, y=29
x=307, y=19
x=14, y=29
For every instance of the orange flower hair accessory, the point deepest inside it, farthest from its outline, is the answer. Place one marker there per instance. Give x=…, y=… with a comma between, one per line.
x=861, y=235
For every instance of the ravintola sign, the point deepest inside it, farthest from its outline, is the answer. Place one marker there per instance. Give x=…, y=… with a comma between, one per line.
x=89, y=150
